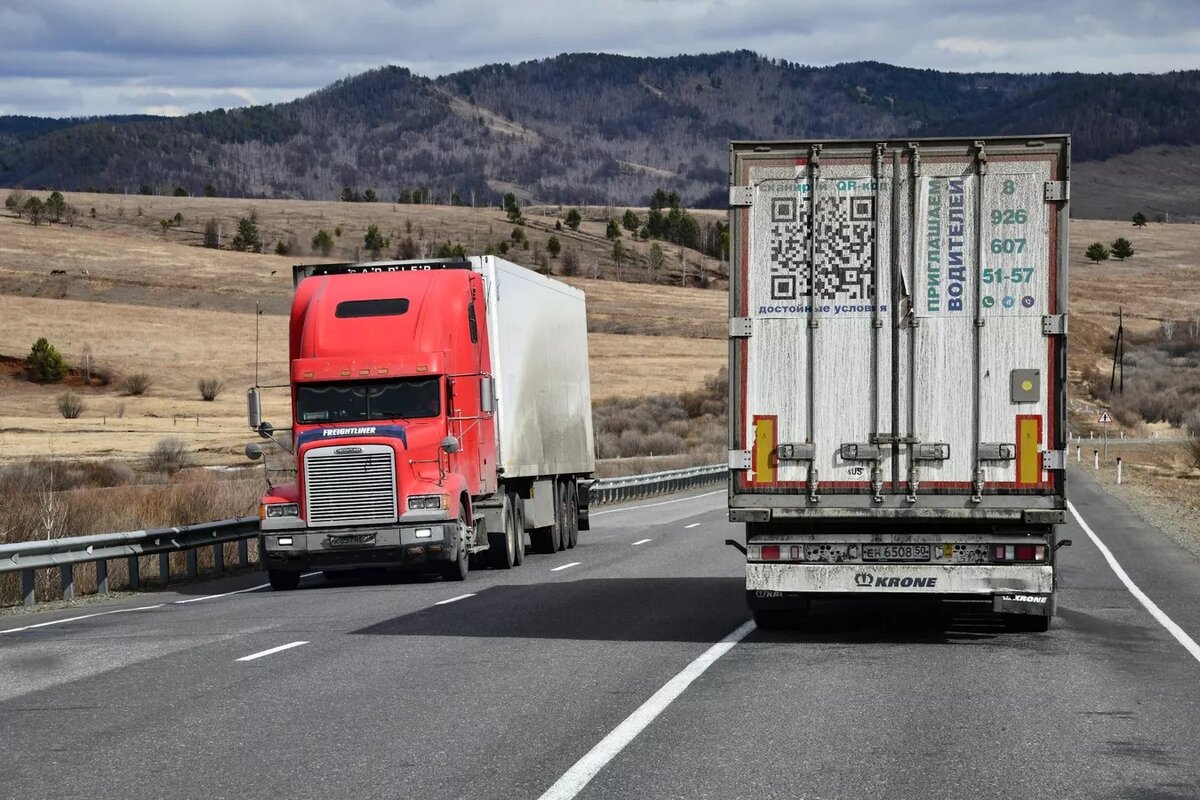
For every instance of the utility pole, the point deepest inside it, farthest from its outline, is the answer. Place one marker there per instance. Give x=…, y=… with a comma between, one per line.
x=1118, y=353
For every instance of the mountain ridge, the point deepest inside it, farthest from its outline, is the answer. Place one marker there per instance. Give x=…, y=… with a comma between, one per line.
x=581, y=127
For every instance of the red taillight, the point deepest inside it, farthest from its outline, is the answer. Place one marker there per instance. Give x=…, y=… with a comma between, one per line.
x=770, y=552
x=1019, y=552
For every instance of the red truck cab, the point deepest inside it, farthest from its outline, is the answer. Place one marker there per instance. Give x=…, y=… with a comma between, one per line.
x=391, y=432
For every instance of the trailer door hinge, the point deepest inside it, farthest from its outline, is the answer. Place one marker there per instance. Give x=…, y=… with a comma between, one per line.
x=740, y=328
x=1057, y=191
x=1054, y=325
x=1054, y=459
x=739, y=459
x=741, y=196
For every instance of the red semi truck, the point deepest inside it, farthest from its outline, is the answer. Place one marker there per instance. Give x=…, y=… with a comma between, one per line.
x=441, y=413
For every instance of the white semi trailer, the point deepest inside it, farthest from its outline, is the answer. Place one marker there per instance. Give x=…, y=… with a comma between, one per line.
x=898, y=370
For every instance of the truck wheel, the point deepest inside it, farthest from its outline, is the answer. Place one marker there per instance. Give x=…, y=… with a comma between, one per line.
x=502, y=545
x=457, y=569
x=283, y=580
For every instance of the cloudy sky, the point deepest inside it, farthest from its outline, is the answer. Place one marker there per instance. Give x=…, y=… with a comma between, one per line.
x=84, y=57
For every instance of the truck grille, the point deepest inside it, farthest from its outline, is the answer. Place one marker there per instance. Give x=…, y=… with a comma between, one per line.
x=350, y=485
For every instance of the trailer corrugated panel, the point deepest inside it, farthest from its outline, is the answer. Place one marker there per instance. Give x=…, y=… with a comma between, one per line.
x=897, y=339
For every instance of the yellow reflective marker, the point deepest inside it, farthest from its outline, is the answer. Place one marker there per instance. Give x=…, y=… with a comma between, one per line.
x=764, y=449
x=1029, y=456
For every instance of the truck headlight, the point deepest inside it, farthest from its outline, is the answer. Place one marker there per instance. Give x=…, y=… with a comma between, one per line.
x=283, y=510
x=427, y=501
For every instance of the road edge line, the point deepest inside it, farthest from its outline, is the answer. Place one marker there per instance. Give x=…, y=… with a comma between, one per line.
x=1159, y=615
x=582, y=771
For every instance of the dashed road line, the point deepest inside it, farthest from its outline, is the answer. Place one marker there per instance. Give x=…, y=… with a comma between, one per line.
x=272, y=651
x=641, y=541
x=693, y=525
x=567, y=566
x=454, y=599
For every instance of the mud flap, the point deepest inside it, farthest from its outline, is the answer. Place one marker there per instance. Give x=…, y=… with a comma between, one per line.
x=1041, y=605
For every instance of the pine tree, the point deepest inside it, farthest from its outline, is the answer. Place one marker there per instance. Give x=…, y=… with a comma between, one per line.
x=1122, y=248
x=1139, y=220
x=573, y=219
x=1097, y=252
x=247, y=236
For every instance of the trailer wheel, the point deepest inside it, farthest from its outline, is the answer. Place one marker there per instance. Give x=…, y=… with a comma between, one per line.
x=283, y=580
x=518, y=516
x=502, y=545
x=572, y=491
x=562, y=516
x=1030, y=623
x=457, y=570
x=770, y=619
x=549, y=538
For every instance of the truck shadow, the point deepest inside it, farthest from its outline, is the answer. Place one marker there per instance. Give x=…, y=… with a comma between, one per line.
x=618, y=609
x=887, y=620
x=702, y=610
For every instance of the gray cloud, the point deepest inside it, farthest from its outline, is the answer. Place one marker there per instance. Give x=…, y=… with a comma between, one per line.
x=125, y=56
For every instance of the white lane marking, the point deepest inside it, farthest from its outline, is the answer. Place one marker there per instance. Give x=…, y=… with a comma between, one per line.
x=239, y=591
x=640, y=541
x=693, y=525
x=577, y=777
x=663, y=503
x=567, y=566
x=223, y=594
x=84, y=616
x=1180, y=635
x=454, y=599
x=279, y=649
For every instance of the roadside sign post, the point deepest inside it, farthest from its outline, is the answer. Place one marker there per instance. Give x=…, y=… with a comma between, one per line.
x=1105, y=421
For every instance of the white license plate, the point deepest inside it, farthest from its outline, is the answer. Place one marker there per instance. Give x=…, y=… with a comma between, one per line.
x=895, y=552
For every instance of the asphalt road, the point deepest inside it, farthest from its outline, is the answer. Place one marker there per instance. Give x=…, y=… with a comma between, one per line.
x=502, y=693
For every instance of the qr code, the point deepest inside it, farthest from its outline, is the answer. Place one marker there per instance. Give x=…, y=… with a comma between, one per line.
x=843, y=247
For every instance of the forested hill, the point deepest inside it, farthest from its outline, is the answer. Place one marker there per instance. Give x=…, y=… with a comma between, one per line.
x=578, y=128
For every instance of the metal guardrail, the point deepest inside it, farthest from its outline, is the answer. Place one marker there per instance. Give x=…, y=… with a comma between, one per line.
x=27, y=557
x=615, y=490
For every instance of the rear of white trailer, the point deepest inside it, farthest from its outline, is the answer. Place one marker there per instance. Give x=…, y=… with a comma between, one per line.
x=898, y=369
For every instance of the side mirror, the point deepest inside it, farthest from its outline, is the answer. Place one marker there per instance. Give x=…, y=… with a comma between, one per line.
x=450, y=444
x=253, y=408
x=254, y=452
x=487, y=394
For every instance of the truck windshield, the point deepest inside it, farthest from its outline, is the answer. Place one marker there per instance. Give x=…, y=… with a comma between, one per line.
x=404, y=398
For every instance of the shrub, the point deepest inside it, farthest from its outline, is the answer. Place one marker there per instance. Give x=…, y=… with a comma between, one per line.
x=70, y=405
x=322, y=242
x=570, y=263
x=45, y=362
x=137, y=383
x=210, y=388
x=170, y=455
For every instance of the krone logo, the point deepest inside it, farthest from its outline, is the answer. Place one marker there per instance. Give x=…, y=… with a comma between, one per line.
x=864, y=579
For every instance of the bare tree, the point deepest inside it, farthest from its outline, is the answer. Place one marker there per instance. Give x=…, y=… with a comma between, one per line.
x=1168, y=329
